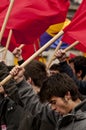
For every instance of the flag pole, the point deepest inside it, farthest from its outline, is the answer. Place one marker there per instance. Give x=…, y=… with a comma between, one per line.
x=7, y=44
x=65, y=50
x=71, y=46
x=21, y=46
x=53, y=57
x=37, y=53
x=6, y=19
x=34, y=55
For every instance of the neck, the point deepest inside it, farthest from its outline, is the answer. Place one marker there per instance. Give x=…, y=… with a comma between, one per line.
x=73, y=104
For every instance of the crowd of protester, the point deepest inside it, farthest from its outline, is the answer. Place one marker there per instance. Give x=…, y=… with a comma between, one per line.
x=39, y=99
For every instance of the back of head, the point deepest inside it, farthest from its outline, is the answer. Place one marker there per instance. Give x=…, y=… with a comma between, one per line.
x=58, y=85
x=55, y=68
x=36, y=70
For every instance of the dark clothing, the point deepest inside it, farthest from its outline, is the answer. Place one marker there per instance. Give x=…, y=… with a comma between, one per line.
x=10, y=114
x=21, y=62
x=81, y=84
x=11, y=109
x=41, y=117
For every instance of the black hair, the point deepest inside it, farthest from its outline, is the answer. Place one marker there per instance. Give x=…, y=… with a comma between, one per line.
x=10, y=86
x=79, y=64
x=55, y=67
x=58, y=85
x=37, y=71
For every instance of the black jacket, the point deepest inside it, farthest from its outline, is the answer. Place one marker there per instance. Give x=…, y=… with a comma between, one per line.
x=40, y=117
x=80, y=84
x=10, y=114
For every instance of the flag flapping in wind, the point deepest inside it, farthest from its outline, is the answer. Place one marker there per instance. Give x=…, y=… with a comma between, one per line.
x=76, y=30
x=3, y=8
x=30, y=18
x=51, y=32
x=27, y=51
x=3, y=5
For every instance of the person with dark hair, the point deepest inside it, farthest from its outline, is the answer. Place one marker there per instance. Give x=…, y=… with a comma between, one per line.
x=11, y=107
x=54, y=69
x=63, y=87
x=78, y=65
x=67, y=108
x=60, y=54
x=35, y=73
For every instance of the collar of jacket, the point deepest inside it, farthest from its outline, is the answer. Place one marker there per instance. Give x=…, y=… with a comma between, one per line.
x=78, y=113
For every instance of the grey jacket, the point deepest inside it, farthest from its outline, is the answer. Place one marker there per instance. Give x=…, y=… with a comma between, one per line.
x=40, y=117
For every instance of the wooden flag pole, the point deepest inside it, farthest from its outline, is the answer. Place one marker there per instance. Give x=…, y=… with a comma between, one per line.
x=53, y=57
x=7, y=44
x=21, y=46
x=34, y=55
x=71, y=46
x=6, y=19
x=65, y=50
x=42, y=48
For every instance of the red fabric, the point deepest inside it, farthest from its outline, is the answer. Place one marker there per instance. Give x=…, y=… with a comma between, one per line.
x=71, y=55
x=12, y=44
x=3, y=5
x=76, y=30
x=3, y=8
x=27, y=50
x=30, y=49
x=30, y=18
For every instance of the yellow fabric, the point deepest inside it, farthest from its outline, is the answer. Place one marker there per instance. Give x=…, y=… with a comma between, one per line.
x=55, y=28
x=15, y=61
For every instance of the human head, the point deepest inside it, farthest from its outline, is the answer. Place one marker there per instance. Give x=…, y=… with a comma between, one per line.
x=78, y=65
x=54, y=69
x=35, y=72
x=61, y=91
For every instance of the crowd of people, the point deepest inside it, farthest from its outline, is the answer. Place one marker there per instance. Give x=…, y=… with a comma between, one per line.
x=39, y=99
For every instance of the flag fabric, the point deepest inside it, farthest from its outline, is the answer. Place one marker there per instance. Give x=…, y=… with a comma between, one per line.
x=71, y=55
x=45, y=37
x=27, y=51
x=76, y=30
x=30, y=18
x=30, y=49
x=3, y=5
x=3, y=8
x=51, y=32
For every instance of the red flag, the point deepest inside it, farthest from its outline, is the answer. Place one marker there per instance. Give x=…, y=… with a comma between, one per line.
x=30, y=18
x=3, y=8
x=3, y=5
x=76, y=30
x=30, y=49
x=27, y=50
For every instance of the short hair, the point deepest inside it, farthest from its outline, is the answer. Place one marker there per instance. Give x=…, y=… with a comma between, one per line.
x=37, y=71
x=58, y=85
x=55, y=67
x=79, y=64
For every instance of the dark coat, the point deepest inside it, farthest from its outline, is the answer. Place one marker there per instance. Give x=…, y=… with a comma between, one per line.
x=80, y=83
x=40, y=117
x=10, y=114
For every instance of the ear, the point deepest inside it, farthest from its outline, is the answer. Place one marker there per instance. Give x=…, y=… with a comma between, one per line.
x=79, y=74
x=29, y=80
x=67, y=96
